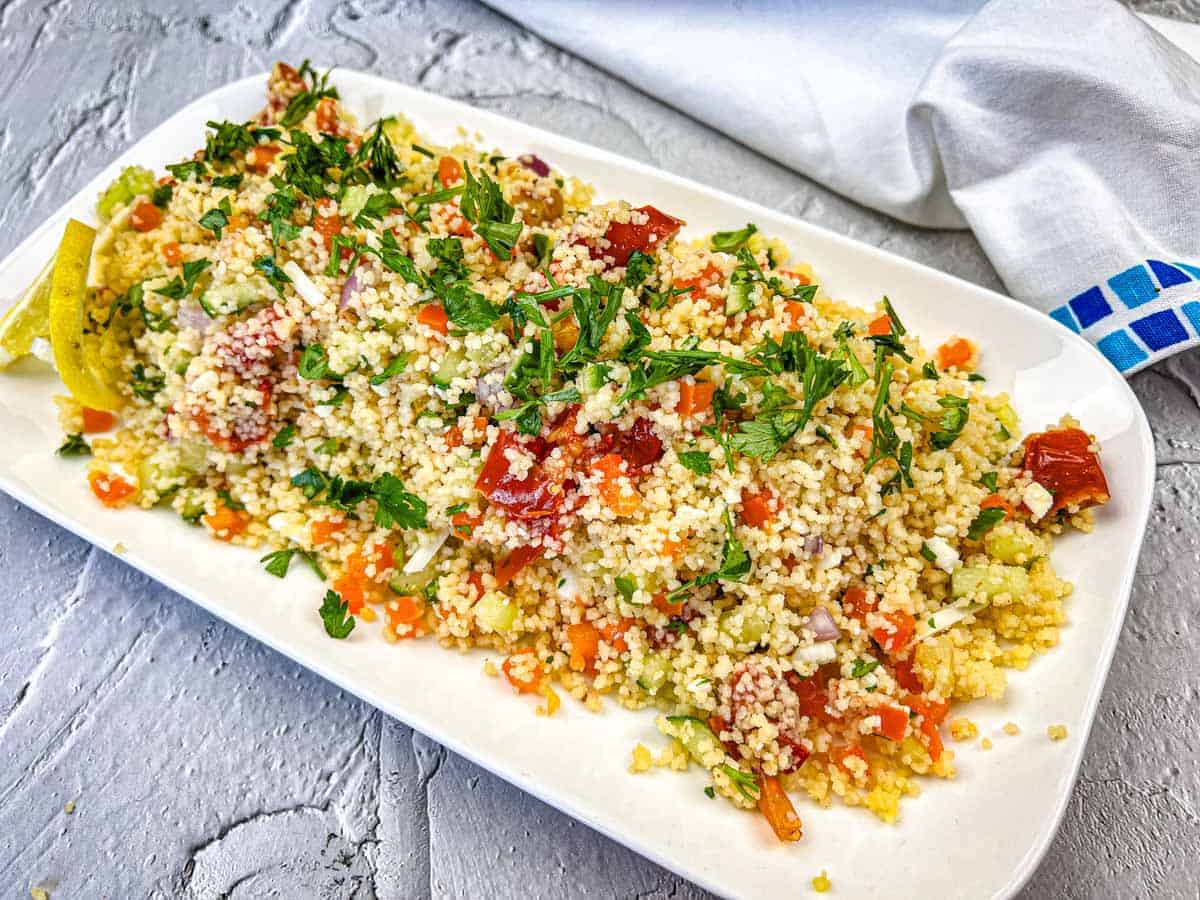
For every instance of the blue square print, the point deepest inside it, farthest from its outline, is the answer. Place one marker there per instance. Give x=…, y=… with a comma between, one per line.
x=1121, y=351
x=1089, y=307
x=1160, y=330
x=1133, y=286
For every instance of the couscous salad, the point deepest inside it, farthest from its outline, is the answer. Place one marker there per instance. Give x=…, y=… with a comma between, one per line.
x=467, y=403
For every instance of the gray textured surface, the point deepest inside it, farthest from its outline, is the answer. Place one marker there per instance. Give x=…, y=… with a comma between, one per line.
x=205, y=766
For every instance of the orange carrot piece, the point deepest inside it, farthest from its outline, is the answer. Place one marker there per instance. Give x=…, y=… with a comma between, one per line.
x=584, y=639
x=882, y=325
x=95, y=420
x=433, y=316
x=774, y=803
x=111, y=490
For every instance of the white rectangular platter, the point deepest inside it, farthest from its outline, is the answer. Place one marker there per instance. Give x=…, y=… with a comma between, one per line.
x=979, y=836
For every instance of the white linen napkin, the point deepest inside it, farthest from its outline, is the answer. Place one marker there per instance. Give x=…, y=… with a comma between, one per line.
x=1064, y=133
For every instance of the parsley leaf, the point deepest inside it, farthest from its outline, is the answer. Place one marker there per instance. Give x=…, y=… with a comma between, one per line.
x=989, y=480
x=484, y=206
x=188, y=169
x=378, y=157
x=735, y=564
x=178, y=288
x=377, y=206
x=314, y=364
x=766, y=435
x=696, y=461
x=626, y=587
x=161, y=195
x=217, y=218
x=468, y=309
x=863, y=667
x=395, y=507
x=638, y=268
x=146, y=386
x=74, y=445
x=272, y=273
x=281, y=206
x=277, y=563
x=858, y=374
x=394, y=367
x=984, y=522
x=955, y=413
x=334, y=614
x=639, y=338
x=733, y=241
x=233, y=182
x=306, y=101
x=284, y=437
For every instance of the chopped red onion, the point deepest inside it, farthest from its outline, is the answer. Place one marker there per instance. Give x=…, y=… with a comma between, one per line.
x=813, y=545
x=193, y=316
x=488, y=386
x=821, y=624
x=350, y=288
x=534, y=164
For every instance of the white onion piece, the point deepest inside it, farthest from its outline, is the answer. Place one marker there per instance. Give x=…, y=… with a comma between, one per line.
x=349, y=289
x=425, y=553
x=304, y=285
x=814, y=544
x=821, y=624
x=193, y=316
x=489, y=385
x=814, y=656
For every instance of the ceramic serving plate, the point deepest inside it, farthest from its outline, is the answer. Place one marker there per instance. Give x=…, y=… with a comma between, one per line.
x=978, y=836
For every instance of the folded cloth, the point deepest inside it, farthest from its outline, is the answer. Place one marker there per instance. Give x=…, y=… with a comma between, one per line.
x=1064, y=133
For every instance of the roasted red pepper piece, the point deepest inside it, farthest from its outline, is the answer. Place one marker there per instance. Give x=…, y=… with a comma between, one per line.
x=1061, y=461
x=625, y=237
x=524, y=498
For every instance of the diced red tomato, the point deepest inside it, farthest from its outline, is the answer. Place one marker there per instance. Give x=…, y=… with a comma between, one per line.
x=906, y=677
x=932, y=714
x=450, y=171
x=639, y=446
x=880, y=326
x=508, y=568
x=1062, y=462
x=758, y=507
x=111, y=490
x=899, y=635
x=96, y=420
x=171, y=253
x=812, y=693
x=433, y=316
x=695, y=397
x=523, y=671
x=893, y=721
x=856, y=603
x=711, y=274
x=145, y=217
x=625, y=237
x=774, y=803
x=525, y=498
x=584, y=639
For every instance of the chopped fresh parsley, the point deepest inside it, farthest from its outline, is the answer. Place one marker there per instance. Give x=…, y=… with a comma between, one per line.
x=468, y=309
x=733, y=241
x=638, y=268
x=989, y=480
x=233, y=182
x=955, y=413
x=927, y=553
x=217, y=218
x=735, y=565
x=314, y=364
x=328, y=447
x=229, y=502
x=277, y=563
x=543, y=246
x=484, y=206
x=317, y=87
x=280, y=207
x=744, y=782
x=984, y=522
x=284, y=437
x=696, y=461
x=639, y=338
x=74, y=445
x=863, y=667
x=334, y=613
x=394, y=506
x=377, y=206
x=626, y=587
x=377, y=157
x=161, y=195
x=885, y=443
x=395, y=366
x=858, y=374
x=178, y=288
x=275, y=275
x=929, y=371
x=709, y=792
x=188, y=169
x=146, y=386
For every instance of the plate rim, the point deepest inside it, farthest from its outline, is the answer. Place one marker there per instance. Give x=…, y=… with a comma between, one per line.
x=1039, y=842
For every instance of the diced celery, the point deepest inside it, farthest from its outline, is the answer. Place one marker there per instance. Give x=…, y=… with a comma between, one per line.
x=134, y=180
x=745, y=624
x=990, y=581
x=1009, y=546
x=495, y=612
x=656, y=669
x=702, y=745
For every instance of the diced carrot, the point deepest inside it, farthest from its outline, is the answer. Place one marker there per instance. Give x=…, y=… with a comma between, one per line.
x=711, y=274
x=523, y=674
x=450, y=171
x=893, y=721
x=665, y=606
x=757, y=508
x=465, y=523
x=798, y=277
x=673, y=549
x=618, y=494
x=867, y=433
x=997, y=502
x=327, y=222
x=507, y=569
x=384, y=557
x=433, y=316
x=454, y=437
x=226, y=522
x=95, y=420
x=353, y=583
x=842, y=755
x=404, y=615
x=145, y=217
x=796, y=312
x=955, y=353
x=327, y=119
x=695, y=397
x=774, y=803
x=584, y=639
x=111, y=490
x=614, y=633
x=323, y=530
x=171, y=253
x=882, y=325
x=258, y=159
x=856, y=603
x=896, y=638
x=932, y=714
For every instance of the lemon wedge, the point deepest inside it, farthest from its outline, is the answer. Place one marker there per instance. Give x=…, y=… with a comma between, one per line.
x=77, y=361
x=26, y=320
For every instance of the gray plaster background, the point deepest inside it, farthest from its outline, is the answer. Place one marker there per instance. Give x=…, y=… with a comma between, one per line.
x=204, y=765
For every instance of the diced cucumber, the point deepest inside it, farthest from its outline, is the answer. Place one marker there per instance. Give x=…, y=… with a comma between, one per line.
x=193, y=455
x=453, y=364
x=132, y=181
x=592, y=379
x=1010, y=546
x=495, y=612
x=190, y=504
x=353, y=200
x=154, y=478
x=656, y=669
x=739, y=296
x=990, y=581
x=745, y=624
x=702, y=745
x=229, y=299
x=1008, y=418
x=412, y=584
